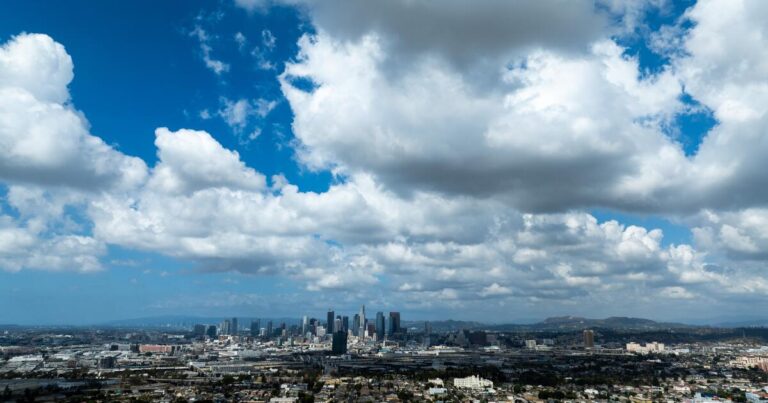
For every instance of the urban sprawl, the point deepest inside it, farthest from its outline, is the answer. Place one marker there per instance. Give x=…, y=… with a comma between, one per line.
x=383, y=359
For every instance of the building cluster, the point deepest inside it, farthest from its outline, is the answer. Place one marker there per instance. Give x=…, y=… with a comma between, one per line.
x=338, y=329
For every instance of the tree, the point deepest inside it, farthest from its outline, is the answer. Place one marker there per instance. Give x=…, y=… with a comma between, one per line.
x=306, y=398
x=405, y=395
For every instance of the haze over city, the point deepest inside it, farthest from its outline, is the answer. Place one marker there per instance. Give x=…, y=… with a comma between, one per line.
x=489, y=161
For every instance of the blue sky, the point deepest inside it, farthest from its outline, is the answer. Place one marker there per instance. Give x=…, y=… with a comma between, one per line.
x=144, y=72
x=148, y=66
x=430, y=147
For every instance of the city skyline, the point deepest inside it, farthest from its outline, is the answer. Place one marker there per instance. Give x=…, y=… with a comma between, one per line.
x=500, y=162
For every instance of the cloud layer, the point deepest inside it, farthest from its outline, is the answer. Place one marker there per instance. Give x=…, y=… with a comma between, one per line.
x=467, y=153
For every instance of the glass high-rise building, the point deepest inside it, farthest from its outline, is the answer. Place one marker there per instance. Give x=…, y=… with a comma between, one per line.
x=356, y=325
x=345, y=324
x=380, y=326
x=255, y=328
x=225, y=327
x=394, y=323
x=329, y=322
x=211, y=332
x=339, y=344
x=362, y=321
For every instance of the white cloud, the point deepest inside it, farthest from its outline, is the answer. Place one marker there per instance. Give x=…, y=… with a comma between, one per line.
x=37, y=64
x=240, y=39
x=268, y=39
x=676, y=293
x=429, y=128
x=495, y=289
x=25, y=247
x=192, y=160
x=43, y=139
x=742, y=235
x=243, y=112
x=252, y=5
x=217, y=66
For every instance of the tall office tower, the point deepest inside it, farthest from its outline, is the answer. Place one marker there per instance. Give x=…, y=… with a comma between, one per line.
x=337, y=325
x=233, y=328
x=362, y=320
x=329, y=321
x=339, y=344
x=427, y=328
x=380, y=326
x=269, y=329
x=394, y=323
x=255, y=327
x=356, y=325
x=211, y=332
x=198, y=330
x=427, y=334
x=370, y=330
x=224, y=328
x=345, y=323
x=304, y=325
x=313, y=326
x=589, y=338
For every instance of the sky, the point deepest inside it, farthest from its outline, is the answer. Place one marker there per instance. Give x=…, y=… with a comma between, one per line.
x=492, y=160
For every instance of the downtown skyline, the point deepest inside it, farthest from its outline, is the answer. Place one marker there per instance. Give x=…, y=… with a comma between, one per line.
x=498, y=162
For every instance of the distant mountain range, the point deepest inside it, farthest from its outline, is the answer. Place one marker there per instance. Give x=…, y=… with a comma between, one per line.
x=614, y=322
x=559, y=323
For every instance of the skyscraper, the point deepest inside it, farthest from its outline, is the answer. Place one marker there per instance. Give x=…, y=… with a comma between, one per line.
x=329, y=322
x=269, y=329
x=225, y=327
x=304, y=325
x=233, y=327
x=362, y=320
x=211, y=332
x=394, y=323
x=339, y=345
x=589, y=338
x=356, y=325
x=198, y=330
x=380, y=326
x=255, y=327
x=345, y=323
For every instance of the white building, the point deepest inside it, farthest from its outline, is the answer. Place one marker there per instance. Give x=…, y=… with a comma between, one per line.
x=472, y=382
x=653, y=347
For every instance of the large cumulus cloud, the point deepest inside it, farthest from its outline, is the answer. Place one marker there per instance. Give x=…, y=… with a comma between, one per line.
x=43, y=139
